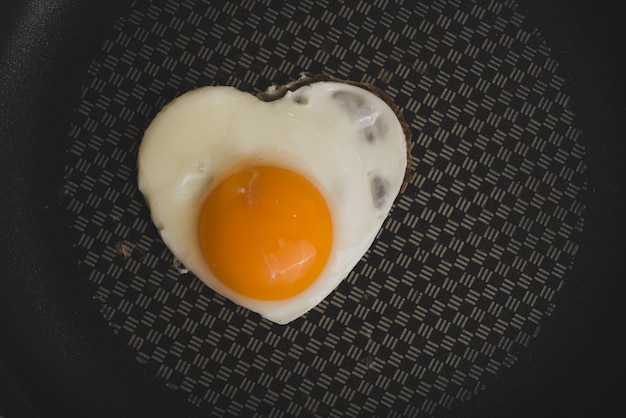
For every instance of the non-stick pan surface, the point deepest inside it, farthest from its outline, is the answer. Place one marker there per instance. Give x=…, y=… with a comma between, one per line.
x=488, y=292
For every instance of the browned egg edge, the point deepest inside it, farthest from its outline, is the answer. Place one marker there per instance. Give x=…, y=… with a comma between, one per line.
x=277, y=92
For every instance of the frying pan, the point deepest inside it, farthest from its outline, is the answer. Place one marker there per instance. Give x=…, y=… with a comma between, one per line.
x=66, y=355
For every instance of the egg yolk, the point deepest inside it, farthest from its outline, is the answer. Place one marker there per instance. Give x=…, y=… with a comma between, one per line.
x=265, y=232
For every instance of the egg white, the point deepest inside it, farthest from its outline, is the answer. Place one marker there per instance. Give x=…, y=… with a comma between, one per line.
x=204, y=134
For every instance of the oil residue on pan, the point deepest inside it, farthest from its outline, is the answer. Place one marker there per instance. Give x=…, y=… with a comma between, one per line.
x=463, y=273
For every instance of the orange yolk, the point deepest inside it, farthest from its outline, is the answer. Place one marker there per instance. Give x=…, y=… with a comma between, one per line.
x=265, y=232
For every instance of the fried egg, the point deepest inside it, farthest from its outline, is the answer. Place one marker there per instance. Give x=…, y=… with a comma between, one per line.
x=272, y=203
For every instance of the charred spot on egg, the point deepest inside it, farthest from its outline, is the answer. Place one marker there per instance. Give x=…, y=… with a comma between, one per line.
x=272, y=200
x=277, y=92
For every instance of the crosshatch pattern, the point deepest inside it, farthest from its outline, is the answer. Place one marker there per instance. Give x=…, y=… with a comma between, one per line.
x=459, y=279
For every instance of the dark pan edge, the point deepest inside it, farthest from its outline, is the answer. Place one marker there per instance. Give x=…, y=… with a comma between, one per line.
x=55, y=344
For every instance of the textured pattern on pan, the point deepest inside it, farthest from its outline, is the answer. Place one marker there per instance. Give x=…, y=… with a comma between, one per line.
x=465, y=269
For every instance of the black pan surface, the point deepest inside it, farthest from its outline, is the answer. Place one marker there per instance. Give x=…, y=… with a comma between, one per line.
x=62, y=353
